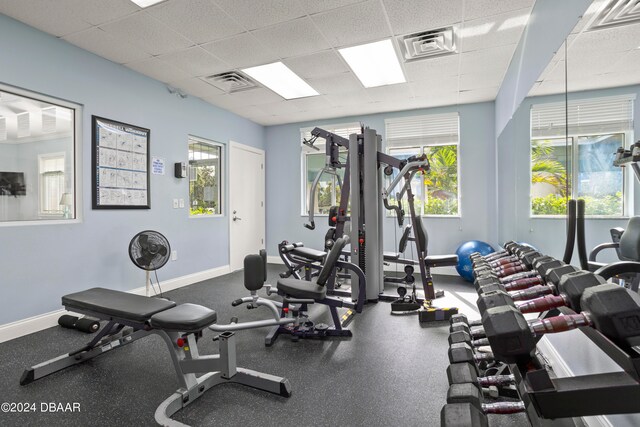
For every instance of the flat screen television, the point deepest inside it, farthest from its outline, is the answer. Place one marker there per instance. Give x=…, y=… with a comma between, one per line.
x=12, y=184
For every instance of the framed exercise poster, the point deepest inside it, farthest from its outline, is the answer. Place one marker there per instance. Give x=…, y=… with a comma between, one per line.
x=120, y=165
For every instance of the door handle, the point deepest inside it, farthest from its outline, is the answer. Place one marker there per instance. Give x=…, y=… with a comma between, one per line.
x=235, y=218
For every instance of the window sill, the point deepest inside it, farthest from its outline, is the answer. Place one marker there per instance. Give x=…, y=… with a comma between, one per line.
x=205, y=216
x=23, y=223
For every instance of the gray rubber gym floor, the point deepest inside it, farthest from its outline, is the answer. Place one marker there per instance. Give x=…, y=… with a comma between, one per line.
x=390, y=373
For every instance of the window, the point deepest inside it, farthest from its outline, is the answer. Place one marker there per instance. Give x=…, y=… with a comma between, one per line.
x=437, y=136
x=53, y=199
x=38, y=157
x=583, y=166
x=313, y=161
x=205, y=174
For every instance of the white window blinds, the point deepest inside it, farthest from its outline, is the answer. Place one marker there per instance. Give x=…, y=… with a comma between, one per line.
x=586, y=116
x=432, y=129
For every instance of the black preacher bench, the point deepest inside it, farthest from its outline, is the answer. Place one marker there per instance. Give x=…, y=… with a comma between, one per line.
x=131, y=317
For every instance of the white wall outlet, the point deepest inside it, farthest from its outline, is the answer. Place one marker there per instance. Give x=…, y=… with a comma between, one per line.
x=181, y=202
x=175, y=204
x=174, y=255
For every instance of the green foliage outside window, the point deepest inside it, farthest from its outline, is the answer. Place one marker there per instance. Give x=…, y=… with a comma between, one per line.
x=441, y=182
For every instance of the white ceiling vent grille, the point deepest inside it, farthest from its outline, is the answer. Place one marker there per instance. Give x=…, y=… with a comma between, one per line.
x=427, y=44
x=616, y=13
x=231, y=81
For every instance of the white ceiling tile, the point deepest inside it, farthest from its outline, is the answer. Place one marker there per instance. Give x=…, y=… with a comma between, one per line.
x=241, y=51
x=348, y=99
x=436, y=99
x=478, y=95
x=474, y=9
x=225, y=101
x=256, y=96
x=629, y=61
x=195, y=61
x=548, y=87
x=479, y=80
x=196, y=87
x=46, y=16
x=98, y=12
x=281, y=107
x=407, y=16
x=436, y=87
x=549, y=69
x=253, y=14
x=292, y=38
x=319, y=64
x=432, y=68
x=106, y=45
x=150, y=34
x=624, y=78
x=314, y=6
x=495, y=59
x=493, y=31
x=310, y=103
x=200, y=21
x=336, y=84
x=159, y=70
x=351, y=25
x=616, y=39
x=390, y=92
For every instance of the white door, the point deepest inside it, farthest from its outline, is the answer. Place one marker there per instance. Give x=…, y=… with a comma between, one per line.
x=246, y=203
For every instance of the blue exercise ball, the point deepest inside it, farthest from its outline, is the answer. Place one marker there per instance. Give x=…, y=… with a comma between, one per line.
x=464, y=267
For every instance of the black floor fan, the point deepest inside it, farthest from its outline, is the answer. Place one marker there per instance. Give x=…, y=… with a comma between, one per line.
x=149, y=250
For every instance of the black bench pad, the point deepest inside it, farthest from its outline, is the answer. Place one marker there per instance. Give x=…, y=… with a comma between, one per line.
x=117, y=304
x=441, y=260
x=184, y=318
x=302, y=289
x=309, y=253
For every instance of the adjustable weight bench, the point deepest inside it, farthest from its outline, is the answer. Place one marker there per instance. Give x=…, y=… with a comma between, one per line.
x=131, y=317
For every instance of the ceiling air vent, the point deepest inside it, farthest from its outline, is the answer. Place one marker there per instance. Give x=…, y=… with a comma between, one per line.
x=427, y=44
x=616, y=13
x=231, y=81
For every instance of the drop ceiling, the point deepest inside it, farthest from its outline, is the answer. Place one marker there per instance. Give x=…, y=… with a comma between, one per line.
x=181, y=42
x=597, y=59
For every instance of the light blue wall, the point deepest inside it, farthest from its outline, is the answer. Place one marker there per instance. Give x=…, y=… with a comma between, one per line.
x=514, y=181
x=477, y=163
x=549, y=23
x=40, y=263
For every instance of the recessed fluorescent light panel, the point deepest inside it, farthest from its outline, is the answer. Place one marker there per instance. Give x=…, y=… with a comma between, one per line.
x=280, y=79
x=375, y=64
x=146, y=3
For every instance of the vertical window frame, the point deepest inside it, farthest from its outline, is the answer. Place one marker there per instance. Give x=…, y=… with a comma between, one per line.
x=222, y=178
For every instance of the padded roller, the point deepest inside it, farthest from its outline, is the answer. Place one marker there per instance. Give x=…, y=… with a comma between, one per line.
x=254, y=272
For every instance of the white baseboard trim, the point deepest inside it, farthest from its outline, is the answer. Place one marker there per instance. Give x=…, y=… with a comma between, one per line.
x=561, y=369
x=274, y=260
x=37, y=323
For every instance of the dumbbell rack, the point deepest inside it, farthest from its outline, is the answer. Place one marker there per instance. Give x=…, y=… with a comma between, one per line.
x=547, y=399
x=583, y=395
